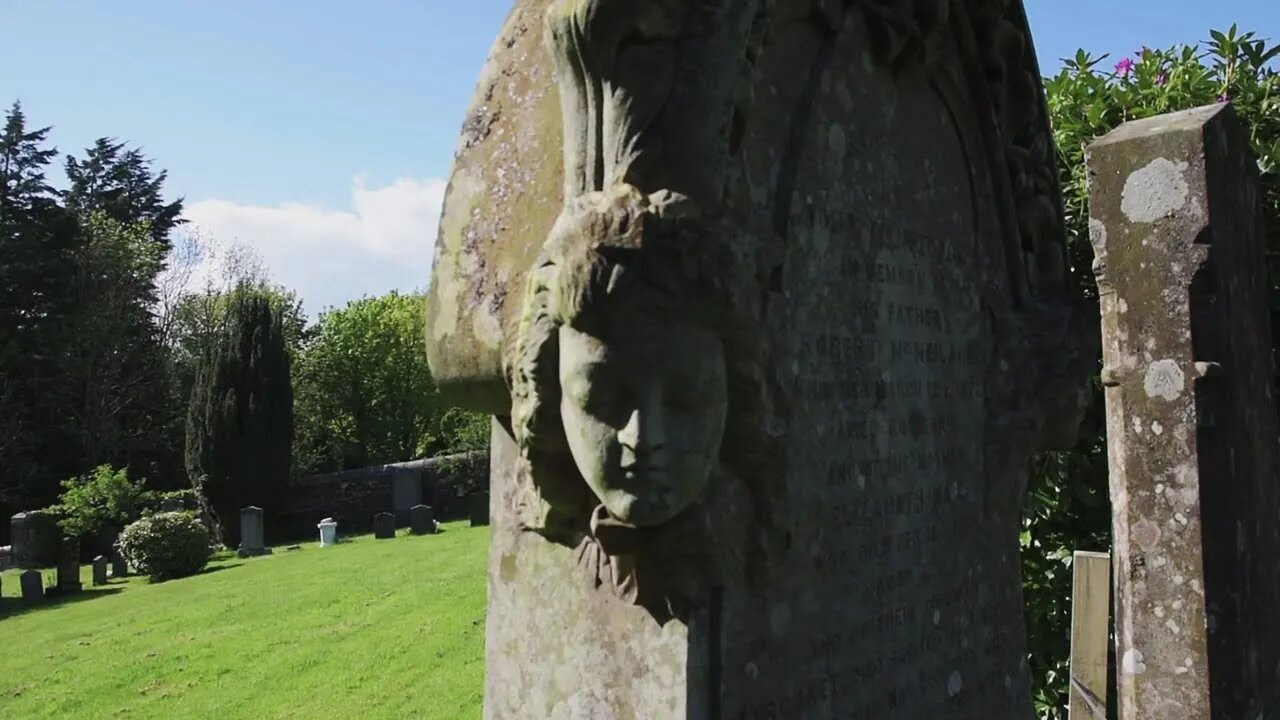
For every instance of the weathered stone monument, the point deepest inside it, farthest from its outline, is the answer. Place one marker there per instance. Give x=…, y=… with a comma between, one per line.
x=770, y=304
x=251, y=533
x=99, y=570
x=421, y=520
x=406, y=492
x=32, y=585
x=1191, y=417
x=384, y=526
x=34, y=539
x=69, y=565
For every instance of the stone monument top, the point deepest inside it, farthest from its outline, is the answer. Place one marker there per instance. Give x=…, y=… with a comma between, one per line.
x=770, y=338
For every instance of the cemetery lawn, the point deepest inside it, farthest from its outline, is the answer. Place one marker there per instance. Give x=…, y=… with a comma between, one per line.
x=367, y=629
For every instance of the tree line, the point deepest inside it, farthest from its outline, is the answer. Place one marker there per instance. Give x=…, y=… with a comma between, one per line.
x=115, y=352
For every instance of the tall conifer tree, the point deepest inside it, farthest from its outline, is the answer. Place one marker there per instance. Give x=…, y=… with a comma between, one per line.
x=240, y=420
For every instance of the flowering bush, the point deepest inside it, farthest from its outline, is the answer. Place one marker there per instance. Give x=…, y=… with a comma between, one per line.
x=166, y=545
x=1087, y=100
x=1067, y=503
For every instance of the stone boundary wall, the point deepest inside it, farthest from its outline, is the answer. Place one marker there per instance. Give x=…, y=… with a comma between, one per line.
x=353, y=497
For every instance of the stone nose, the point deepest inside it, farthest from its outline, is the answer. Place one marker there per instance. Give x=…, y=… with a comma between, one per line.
x=643, y=433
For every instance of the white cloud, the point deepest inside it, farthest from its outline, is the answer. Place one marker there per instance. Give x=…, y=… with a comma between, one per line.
x=328, y=256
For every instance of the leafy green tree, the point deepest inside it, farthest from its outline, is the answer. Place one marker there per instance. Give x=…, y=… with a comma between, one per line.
x=365, y=393
x=1068, y=504
x=240, y=418
x=109, y=354
x=100, y=503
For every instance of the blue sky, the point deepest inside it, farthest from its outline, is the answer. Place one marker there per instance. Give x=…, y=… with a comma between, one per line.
x=319, y=132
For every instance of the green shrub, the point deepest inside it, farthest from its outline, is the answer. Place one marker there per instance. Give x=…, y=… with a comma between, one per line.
x=103, y=500
x=167, y=545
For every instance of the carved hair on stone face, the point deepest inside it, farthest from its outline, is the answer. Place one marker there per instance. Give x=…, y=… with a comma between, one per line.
x=618, y=373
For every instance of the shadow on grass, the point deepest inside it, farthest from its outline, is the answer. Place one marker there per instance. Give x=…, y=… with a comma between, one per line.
x=218, y=568
x=13, y=607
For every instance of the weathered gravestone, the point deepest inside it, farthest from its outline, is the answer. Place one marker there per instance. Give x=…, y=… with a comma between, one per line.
x=34, y=539
x=32, y=585
x=251, y=533
x=770, y=302
x=421, y=520
x=384, y=526
x=406, y=492
x=69, y=565
x=1191, y=418
x=99, y=571
x=479, y=509
x=119, y=566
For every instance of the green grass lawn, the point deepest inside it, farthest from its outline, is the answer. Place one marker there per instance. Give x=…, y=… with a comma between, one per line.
x=368, y=629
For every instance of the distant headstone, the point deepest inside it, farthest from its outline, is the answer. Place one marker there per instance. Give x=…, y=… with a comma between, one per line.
x=384, y=526
x=69, y=565
x=119, y=566
x=421, y=520
x=34, y=539
x=770, y=344
x=479, y=509
x=406, y=492
x=1176, y=224
x=100, y=570
x=32, y=584
x=251, y=542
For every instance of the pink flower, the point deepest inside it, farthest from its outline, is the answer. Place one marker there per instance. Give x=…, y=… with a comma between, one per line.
x=1224, y=97
x=1124, y=67
x=1162, y=79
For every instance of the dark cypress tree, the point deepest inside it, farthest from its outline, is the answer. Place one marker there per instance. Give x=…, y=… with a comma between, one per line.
x=240, y=419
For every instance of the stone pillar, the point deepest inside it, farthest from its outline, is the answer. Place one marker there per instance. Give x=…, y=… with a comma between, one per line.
x=421, y=520
x=32, y=586
x=479, y=509
x=34, y=539
x=99, y=571
x=69, y=565
x=384, y=526
x=406, y=492
x=251, y=533
x=1191, y=417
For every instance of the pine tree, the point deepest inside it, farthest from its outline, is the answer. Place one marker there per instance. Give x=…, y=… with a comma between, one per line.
x=36, y=241
x=120, y=183
x=112, y=186
x=240, y=418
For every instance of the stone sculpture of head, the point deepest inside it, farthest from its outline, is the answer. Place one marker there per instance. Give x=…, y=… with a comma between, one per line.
x=619, y=365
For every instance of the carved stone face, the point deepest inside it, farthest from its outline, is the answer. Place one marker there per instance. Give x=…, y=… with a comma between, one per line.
x=644, y=413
